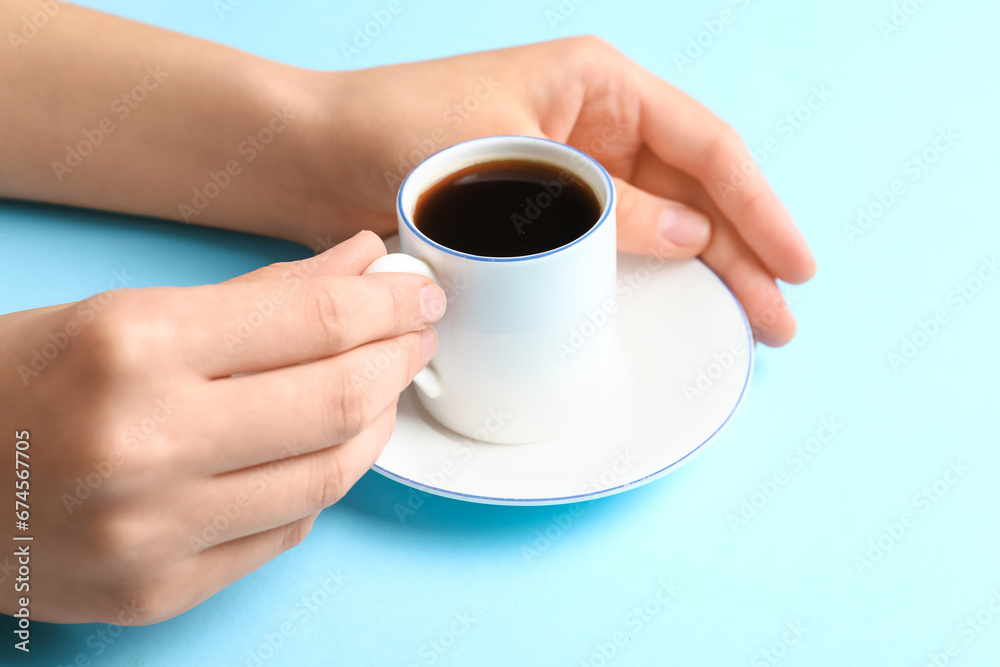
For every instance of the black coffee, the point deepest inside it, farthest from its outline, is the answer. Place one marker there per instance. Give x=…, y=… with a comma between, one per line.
x=507, y=208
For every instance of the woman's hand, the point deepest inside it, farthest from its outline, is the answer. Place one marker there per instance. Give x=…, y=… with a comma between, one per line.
x=180, y=438
x=224, y=138
x=681, y=173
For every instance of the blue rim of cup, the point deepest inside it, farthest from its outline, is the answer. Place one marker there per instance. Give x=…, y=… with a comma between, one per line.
x=605, y=213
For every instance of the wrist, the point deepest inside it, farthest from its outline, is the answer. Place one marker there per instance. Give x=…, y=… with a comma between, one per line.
x=341, y=146
x=318, y=166
x=289, y=152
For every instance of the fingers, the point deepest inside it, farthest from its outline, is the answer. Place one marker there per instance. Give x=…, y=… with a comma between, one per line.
x=685, y=134
x=215, y=568
x=727, y=253
x=264, y=324
x=285, y=491
x=267, y=416
x=349, y=258
x=652, y=225
x=770, y=317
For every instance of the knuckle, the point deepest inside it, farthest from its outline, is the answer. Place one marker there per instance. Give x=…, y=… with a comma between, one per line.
x=271, y=271
x=591, y=43
x=142, y=601
x=119, y=329
x=329, y=481
x=628, y=199
x=726, y=149
x=278, y=269
x=591, y=56
x=755, y=204
x=405, y=315
x=327, y=313
x=349, y=406
x=731, y=137
x=295, y=534
x=383, y=428
x=373, y=242
x=412, y=345
x=121, y=539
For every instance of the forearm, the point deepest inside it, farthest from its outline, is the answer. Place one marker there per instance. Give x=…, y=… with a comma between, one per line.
x=102, y=112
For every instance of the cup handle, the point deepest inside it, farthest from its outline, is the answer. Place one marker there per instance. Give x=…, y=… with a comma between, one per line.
x=426, y=380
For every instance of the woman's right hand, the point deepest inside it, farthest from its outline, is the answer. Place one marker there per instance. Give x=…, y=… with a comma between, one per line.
x=180, y=438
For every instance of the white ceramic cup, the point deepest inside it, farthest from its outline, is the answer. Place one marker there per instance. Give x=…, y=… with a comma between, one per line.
x=524, y=340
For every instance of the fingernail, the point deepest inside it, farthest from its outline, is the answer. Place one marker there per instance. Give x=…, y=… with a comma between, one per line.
x=682, y=226
x=432, y=303
x=429, y=342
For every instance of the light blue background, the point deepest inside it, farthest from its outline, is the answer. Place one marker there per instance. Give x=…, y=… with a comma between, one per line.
x=795, y=561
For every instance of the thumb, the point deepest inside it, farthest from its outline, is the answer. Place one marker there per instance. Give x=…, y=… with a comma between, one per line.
x=651, y=225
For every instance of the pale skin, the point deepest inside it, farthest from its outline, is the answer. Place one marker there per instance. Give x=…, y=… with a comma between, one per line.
x=145, y=386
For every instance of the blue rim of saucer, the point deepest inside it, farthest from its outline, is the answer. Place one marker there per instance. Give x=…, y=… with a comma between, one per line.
x=612, y=202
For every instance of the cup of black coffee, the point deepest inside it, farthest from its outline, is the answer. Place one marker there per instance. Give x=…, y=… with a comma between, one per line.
x=520, y=233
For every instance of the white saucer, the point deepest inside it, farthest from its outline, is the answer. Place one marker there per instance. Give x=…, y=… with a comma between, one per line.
x=676, y=385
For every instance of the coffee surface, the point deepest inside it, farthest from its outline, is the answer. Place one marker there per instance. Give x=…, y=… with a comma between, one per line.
x=507, y=208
